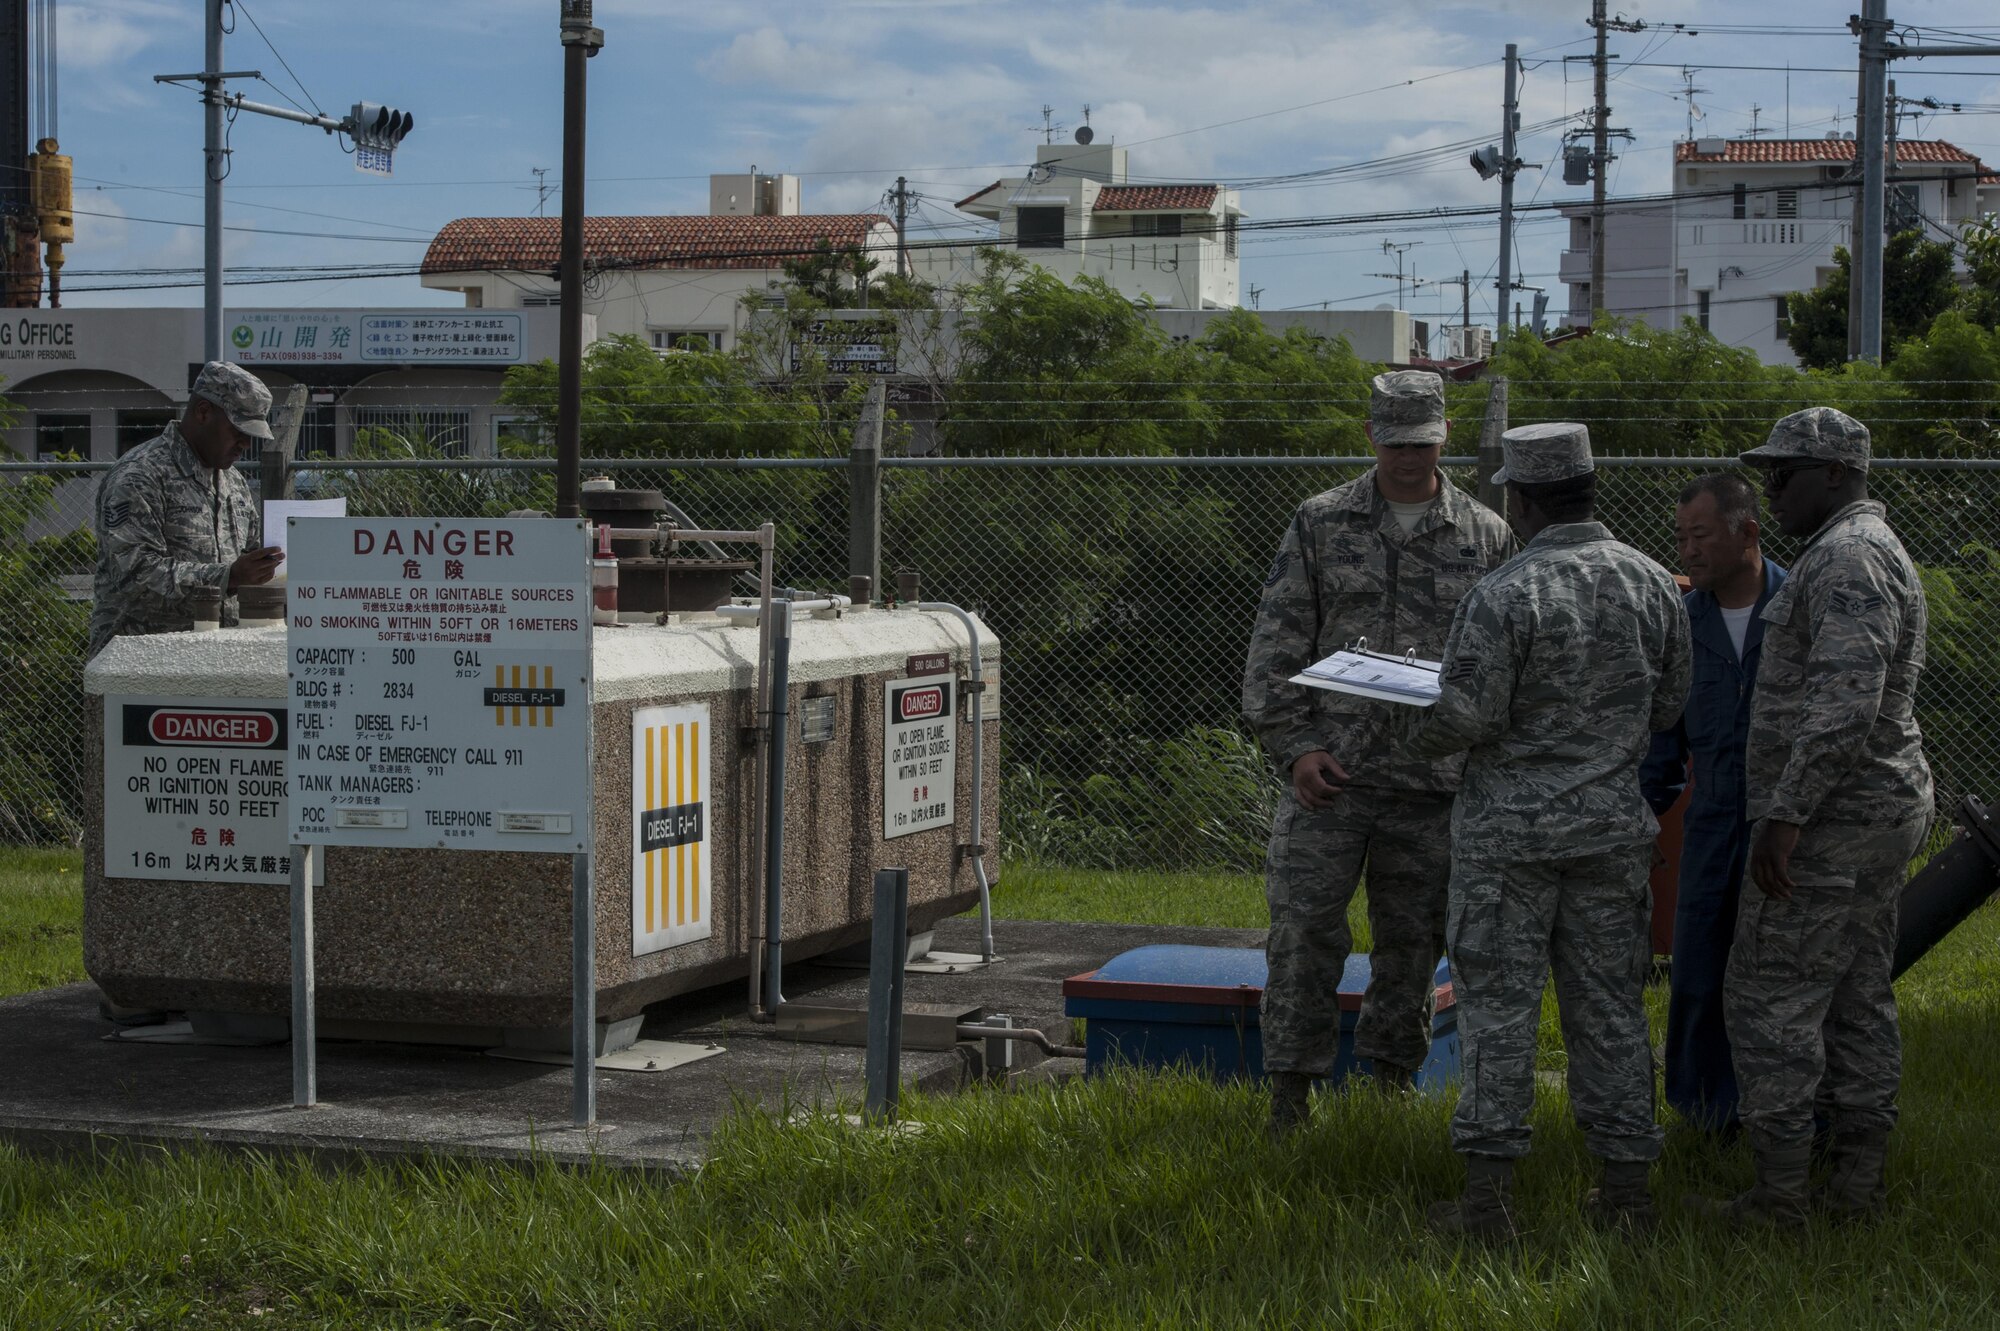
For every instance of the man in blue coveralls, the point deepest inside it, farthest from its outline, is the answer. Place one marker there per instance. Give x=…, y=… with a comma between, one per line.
x=1715, y=529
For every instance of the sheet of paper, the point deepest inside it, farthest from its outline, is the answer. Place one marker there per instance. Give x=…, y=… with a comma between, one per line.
x=1409, y=680
x=277, y=510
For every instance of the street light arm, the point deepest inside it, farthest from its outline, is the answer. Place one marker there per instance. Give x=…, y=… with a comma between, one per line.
x=240, y=103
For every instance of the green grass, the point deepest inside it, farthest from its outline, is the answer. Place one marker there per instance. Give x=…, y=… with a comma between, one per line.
x=41, y=919
x=1127, y=1200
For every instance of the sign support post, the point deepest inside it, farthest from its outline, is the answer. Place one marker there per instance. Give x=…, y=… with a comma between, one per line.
x=440, y=693
x=305, y=1022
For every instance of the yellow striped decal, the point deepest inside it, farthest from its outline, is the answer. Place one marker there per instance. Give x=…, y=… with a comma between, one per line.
x=499, y=682
x=694, y=797
x=548, y=682
x=679, y=797
x=652, y=802
x=517, y=684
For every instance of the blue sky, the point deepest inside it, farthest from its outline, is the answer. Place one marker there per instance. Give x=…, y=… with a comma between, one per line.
x=851, y=93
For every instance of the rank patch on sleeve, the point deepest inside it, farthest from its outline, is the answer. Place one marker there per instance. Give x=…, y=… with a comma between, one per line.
x=115, y=515
x=1278, y=566
x=1462, y=670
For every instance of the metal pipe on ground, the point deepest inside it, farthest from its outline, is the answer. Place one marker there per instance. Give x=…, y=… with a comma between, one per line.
x=978, y=846
x=1957, y=881
x=1027, y=1034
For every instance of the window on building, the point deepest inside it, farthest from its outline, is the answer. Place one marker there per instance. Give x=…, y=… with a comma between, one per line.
x=667, y=340
x=418, y=429
x=1038, y=228
x=60, y=433
x=1229, y=235
x=315, y=433
x=1788, y=203
x=1739, y=200
x=1905, y=210
x=1701, y=308
x=1156, y=224
x=138, y=424
x=1783, y=320
x=514, y=432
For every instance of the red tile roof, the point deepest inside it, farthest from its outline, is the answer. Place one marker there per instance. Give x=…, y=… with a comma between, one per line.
x=1820, y=150
x=531, y=244
x=1155, y=198
x=979, y=194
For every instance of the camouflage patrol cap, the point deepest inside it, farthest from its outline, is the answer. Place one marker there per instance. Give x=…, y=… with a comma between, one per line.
x=1819, y=433
x=1538, y=454
x=241, y=395
x=1407, y=407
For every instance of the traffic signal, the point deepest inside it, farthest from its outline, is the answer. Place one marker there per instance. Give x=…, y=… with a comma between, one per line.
x=373, y=125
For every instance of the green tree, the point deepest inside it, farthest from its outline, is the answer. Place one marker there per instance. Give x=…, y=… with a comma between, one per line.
x=1917, y=286
x=42, y=639
x=1980, y=241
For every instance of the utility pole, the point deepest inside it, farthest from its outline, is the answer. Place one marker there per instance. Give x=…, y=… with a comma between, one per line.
x=1510, y=120
x=902, y=221
x=1465, y=302
x=215, y=159
x=1600, y=151
x=373, y=128
x=580, y=41
x=1892, y=117
x=1865, y=285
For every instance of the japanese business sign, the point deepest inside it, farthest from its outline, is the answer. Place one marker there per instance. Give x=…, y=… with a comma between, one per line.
x=919, y=755
x=439, y=671
x=194, y=790
x=672, y=870
x=333, y=337
x=849, y=341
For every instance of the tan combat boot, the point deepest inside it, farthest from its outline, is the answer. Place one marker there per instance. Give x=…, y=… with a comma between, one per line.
x=1391, y=1077
x=1291, y=1103
x=1623, y=1199
x=1486, y=1209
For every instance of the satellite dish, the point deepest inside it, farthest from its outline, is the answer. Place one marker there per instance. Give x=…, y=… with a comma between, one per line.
x=1083, y=135
x=1385, y=305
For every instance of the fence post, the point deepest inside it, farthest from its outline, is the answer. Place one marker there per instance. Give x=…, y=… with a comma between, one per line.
x=864, y=490
x=274, y=465
x=1490, y=430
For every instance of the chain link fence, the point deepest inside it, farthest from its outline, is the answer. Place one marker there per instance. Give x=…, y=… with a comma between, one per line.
x=1123, y=590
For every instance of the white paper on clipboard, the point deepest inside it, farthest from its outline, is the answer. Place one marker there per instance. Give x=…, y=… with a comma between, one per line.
x=276, y=511
x=1410, y=680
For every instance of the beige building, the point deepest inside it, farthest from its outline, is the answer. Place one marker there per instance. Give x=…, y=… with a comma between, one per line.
x=659, y=279
x=1075, y=214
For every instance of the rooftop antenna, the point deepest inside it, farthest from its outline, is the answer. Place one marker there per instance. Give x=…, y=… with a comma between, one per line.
x=1688, y=91
x=1084, y=133
x=542, y=187
x=1755, y=112
x=1049, y=126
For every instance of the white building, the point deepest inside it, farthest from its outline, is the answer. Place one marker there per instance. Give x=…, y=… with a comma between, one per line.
x=1074, y=214
x=1750, y=222
x=659, y=279
x=93, y=382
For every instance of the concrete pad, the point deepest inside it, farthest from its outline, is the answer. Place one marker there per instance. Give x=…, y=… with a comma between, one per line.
x=68, y=1089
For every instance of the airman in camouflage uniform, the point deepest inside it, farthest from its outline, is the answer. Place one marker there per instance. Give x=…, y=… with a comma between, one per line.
x=1842, y=795
x=175, y=516
x=1560, y=666
x=1384, y=557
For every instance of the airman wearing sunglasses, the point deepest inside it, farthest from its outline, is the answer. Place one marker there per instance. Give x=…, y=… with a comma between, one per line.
x=1841, y=796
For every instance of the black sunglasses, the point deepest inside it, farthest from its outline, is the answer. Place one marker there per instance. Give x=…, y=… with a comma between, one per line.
x=1407, y=443
x=1776, y=478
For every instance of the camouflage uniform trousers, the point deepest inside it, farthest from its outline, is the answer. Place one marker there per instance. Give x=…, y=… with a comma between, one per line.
x=1811, y=1016
x=1402, y=839
x=1589, y=918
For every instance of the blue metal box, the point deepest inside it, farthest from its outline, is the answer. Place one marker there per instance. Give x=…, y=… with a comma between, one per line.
x=1166, y=1004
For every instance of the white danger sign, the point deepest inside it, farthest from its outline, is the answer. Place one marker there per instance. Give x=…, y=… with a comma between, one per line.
x=440, y=683
x=919, y=755
x=672, y=871
x=194, y=790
